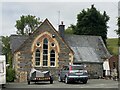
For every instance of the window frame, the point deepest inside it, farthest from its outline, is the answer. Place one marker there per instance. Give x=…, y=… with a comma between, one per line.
x=52, y=58
x=38, y=43
x=37, y=57
x=45, y=48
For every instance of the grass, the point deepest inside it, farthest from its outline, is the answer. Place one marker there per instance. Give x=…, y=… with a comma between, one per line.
x=112, y=45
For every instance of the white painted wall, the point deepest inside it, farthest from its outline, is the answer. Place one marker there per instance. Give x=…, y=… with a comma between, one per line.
x=106, y=67
x=2, y=69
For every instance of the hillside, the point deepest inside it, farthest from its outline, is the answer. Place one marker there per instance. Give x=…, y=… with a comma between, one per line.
x=112, y=44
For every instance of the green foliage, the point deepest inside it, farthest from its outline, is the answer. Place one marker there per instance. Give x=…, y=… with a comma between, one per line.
x=112, y=45
x=6, y=49
x=92, y=22
x=118, y=23
x=27, y=24
x=69, y=30
x=10, y=75
x=118, y=31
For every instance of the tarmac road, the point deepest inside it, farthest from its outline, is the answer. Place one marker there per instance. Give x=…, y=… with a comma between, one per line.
x=92, y=83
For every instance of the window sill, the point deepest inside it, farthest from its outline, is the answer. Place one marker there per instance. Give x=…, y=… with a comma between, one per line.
x=45, y=66
x=37, y=66
x=52, y=66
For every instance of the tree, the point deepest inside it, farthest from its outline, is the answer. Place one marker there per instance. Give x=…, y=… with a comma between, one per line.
x=6, y=49
x=27, y=24
x=69, y=30
x=10, y=72
x=118, y=31
x=91, y=22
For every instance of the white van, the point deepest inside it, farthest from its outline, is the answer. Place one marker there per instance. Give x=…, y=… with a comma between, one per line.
x=2, y=70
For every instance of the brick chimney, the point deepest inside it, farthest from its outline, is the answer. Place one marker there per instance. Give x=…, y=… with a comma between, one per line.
x=61, y=29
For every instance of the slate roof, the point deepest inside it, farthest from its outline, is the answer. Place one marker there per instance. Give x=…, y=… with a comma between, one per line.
x=87, y=48
x=25, y=39
x=16, y=41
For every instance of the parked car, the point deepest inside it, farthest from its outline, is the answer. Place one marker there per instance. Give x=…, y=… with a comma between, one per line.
x=37, y=76
x=73, y=73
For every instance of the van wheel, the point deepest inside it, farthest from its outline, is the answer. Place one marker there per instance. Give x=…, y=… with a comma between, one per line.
x=3, y=85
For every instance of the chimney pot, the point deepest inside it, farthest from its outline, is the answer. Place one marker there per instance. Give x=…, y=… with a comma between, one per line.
x=61, y=22
x=61, y=29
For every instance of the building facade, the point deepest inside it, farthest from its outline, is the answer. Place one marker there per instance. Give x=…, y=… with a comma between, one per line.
x=49, y=49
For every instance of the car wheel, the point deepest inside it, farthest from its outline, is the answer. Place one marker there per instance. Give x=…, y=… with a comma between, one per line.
x=59, y=79
x=51, y=81
x=84, y=82
x=28, y=82
x=66, y=80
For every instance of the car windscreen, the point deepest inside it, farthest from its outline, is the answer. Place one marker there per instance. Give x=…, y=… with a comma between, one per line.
x=77, y=67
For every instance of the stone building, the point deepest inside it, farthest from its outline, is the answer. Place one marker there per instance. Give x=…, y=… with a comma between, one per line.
x=49, y=49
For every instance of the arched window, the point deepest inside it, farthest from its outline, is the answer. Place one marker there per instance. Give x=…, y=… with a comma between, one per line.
x=45, y=52
x=37, y=57
x=52, y=58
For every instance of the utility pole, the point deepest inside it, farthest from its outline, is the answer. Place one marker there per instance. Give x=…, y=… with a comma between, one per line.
x=119, y=47
x=58, y=18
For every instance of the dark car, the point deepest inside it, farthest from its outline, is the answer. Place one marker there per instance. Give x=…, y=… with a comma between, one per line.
x=73, y=73
x=38, y=76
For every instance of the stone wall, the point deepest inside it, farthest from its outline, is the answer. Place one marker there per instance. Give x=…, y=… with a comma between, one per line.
x=24, y=61
x=94, y=69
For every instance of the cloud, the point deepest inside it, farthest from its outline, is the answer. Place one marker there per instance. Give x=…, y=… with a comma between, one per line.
x=11, y=11
x=59, y=1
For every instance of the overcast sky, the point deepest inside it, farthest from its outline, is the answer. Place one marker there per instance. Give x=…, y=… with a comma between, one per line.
x=11, y=11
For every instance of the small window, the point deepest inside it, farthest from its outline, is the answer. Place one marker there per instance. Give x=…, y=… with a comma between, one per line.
x=45, y=52
x=52, y=58
x=38, y=44
x=45, y=41
x=53, y=36
x=52, y=44
x=37, y=57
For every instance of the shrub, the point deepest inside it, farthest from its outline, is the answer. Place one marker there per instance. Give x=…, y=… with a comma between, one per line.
x=10, y=74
